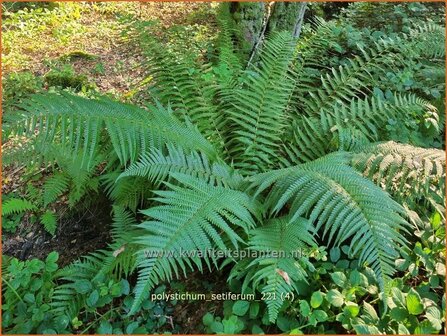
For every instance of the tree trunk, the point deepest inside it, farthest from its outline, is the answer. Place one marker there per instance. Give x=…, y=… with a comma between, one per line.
x=248, y=18
x=287, y=16
x=254, y=20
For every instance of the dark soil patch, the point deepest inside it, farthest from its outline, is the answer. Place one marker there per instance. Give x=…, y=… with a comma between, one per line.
x=76, y=235
x=189, y=314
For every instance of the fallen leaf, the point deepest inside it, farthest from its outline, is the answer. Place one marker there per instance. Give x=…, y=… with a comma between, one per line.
x=284, y=275
x=116, y=253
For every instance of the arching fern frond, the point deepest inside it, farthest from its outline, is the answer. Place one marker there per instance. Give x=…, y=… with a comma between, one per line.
x=190, y=218
x=65, y=299
x=179, y=79
x=78, y=123
x=80, y=173
x=229, y=62
x=346, y=206
x=280, y=245
x=340, y=85
x=313, y=137
x=405, y=171
x=429, y=40
x=156, y=166
x=120, y=258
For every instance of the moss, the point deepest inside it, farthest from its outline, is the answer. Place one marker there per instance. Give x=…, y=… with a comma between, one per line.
x=284, y=16
x=78, y=54
x=67, y=78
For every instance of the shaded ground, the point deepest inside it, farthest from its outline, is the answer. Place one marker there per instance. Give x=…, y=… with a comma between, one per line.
x=75, y=236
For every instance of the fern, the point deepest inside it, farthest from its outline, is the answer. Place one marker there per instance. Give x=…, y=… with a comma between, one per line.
x=178, y=82
x=156, y=166
x=346, y=82
x=65, y=299
x=229, y=62
x=190, y=218
x=79, y=174
x=280, y=244
x=49, y=222
x=17, y=205
x=117, y=261
x=363, y=119
x=127, y=192
x=54, y=187
x=429, y=40
x=257, y=108
x=342, y=203
x=190, y=158
x=405, y=171
x=80, y=121
x=124, y=232
x=362, y=72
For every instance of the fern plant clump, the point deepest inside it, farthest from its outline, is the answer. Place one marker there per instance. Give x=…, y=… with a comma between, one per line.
x=279, y=156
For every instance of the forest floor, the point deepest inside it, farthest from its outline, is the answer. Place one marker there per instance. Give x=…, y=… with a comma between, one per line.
x=90, y=38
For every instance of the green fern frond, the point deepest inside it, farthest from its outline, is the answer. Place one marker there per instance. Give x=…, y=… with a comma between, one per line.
x=77, y=123
x=156, y=166
x=371, y=115
x=192, y=217
x=49, y=221
x=180, y=80
x=66, y=300
x=429, y=40
x=115, y=262
x=121, y=256
x=17, y=206
x=306, y=141
x=78, y=174
x=360, y=119
x=228, y=59
x=280, y=244
x=352, y=80
x=128, y=192
x=257, y=110
x=405, y=171
x=345, y=205
x=54, y=187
